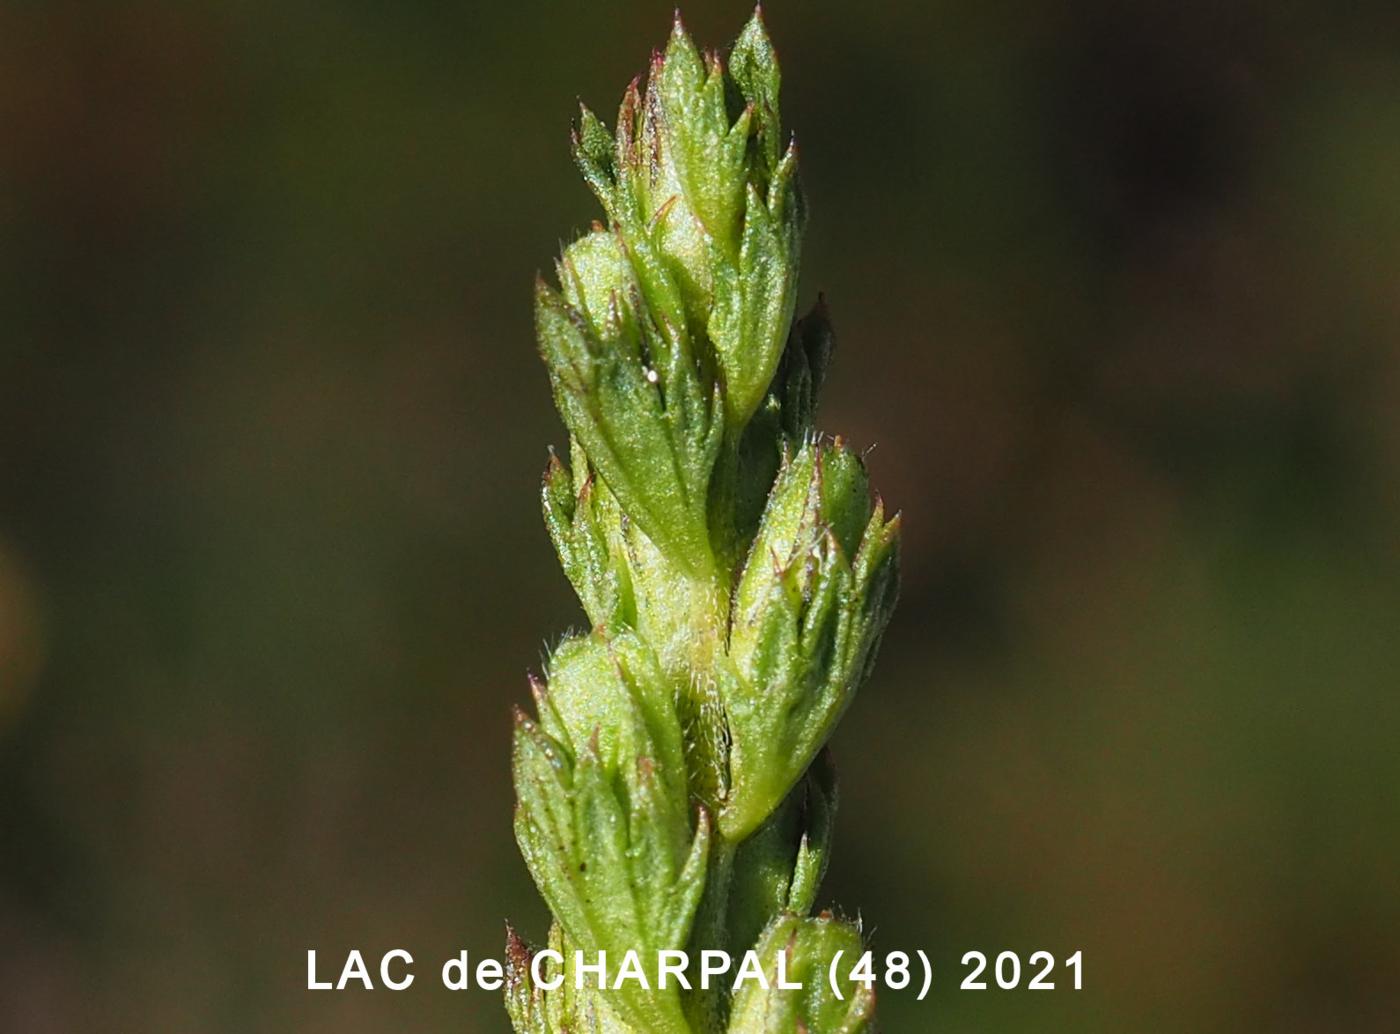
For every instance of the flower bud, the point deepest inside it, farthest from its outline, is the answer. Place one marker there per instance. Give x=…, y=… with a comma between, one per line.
x=808, y=947
x=705, y=219
x=816, y=592
x=632, y=398
x=570, y=1006
x=603, y=819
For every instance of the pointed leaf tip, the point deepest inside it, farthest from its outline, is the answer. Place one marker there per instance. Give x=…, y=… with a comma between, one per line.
x=516, y=947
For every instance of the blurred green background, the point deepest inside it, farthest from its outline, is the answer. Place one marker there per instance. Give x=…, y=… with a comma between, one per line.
x=1118, y=292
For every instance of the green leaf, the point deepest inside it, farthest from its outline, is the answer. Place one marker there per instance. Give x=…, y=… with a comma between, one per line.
x=754, y=304
x=654, y=214
x=709, y=154
x=782, y=422
x=780, y=867
x=596, y=157
x=637, y=407
x=796, y=388
x=754, y=67
x=814, y=849
x=585, y=524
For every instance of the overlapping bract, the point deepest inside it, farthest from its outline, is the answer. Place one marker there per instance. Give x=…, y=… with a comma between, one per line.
x=668, y=326
x=809, y=945
x=736, y=572
x=572, y=1007
x=811, y=605
x=603, y=818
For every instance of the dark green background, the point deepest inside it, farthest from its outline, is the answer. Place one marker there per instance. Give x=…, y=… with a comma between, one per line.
x=1118, y=291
